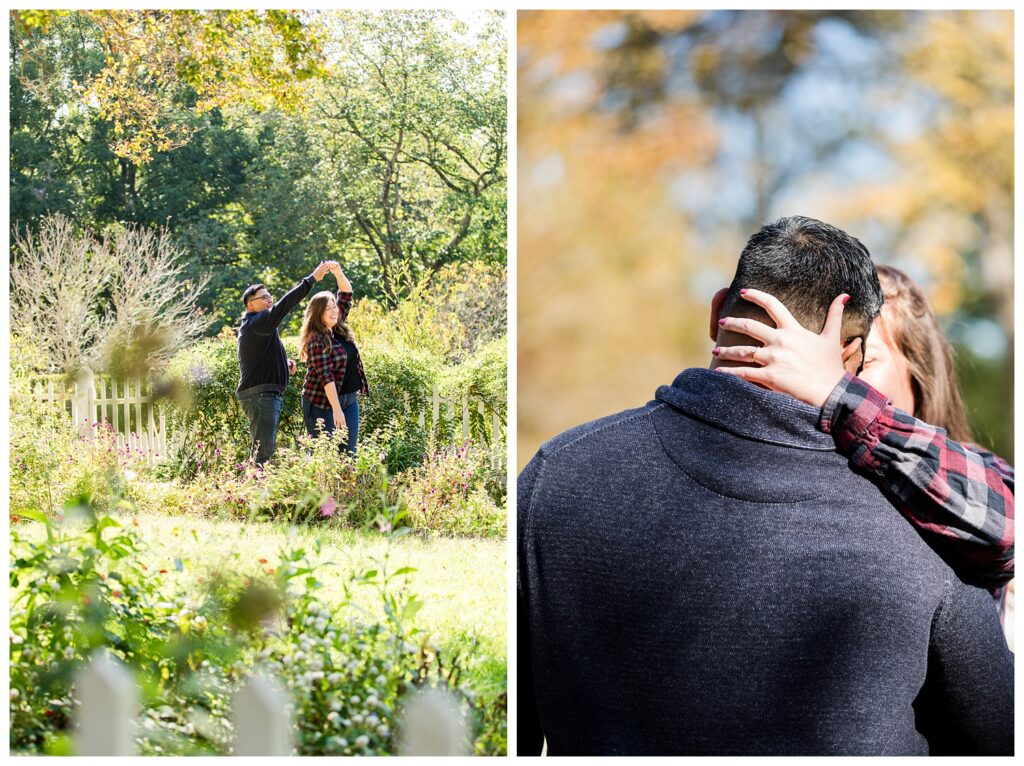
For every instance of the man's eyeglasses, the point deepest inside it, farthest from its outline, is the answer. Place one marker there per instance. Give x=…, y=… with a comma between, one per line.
x=264, y=297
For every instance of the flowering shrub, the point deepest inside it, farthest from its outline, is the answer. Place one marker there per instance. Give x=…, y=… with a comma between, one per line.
x=457, y=492
x=80, y=588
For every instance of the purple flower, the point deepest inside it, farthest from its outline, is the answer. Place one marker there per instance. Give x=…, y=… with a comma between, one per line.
x=327, y=507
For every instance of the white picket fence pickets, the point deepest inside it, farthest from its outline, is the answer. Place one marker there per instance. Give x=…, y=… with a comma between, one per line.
x=137, y=416
x=134, y=414
x=108, y=708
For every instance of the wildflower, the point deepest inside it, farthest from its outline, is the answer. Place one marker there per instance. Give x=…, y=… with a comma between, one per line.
x=15, y=693
x=116, y=594
x=263, y=561
x=340, y=742
x=362, y=740
x=333, y=716
x=383, y=730
x=69, y=652
x=328, y=507
x=372, y=719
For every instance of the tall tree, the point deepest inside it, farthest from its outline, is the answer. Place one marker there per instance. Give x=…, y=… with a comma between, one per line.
x=413, y=120
x=219, y=57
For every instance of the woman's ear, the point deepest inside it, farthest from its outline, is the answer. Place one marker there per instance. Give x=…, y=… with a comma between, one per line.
x=716, y=313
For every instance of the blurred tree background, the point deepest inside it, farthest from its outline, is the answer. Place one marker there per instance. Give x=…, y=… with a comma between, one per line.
x=262, y=142
x=652, y=144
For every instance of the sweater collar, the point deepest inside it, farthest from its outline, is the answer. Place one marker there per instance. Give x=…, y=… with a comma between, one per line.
x=744, y=409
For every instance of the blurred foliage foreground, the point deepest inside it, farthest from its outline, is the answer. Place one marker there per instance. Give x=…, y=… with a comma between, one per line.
x=84, y=584
x=81, y=578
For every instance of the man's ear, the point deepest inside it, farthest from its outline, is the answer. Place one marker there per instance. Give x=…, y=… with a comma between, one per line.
x=853, y=354
x=716, y=313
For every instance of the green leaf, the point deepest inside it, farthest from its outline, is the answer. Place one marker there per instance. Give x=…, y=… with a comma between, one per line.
x=34, y=515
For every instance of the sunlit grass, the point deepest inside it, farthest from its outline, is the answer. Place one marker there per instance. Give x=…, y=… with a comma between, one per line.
x=462, y=581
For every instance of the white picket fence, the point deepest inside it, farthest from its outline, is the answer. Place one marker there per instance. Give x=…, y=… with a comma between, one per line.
x=134, y=414
x=108, y=706
x=137, y=416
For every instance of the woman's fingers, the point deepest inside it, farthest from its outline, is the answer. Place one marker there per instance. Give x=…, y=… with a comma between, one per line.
x=749, y=354
x=776, y=309
x=749, y=374
x=757, y=330
x=834, y=318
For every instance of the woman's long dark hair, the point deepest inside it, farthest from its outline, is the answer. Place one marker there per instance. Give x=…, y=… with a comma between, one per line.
x=909, y=319
x=313, y=326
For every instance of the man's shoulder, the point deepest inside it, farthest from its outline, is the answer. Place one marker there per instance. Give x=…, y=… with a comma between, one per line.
x=597, y=433
x=251, y=323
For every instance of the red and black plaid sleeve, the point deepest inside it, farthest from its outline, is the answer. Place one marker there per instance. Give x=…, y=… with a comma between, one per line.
x=344, y=305
x=957, y=495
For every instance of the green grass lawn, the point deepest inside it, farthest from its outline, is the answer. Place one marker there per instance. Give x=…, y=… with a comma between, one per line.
x=462, y=581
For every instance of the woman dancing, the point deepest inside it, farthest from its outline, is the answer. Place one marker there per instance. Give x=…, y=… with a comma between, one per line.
x=334, y=371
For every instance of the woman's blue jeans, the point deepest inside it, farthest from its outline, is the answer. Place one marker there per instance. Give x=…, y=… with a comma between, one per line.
x=349, y=408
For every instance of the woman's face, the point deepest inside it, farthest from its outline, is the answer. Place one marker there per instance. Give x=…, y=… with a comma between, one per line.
x=886, y=368
x=330, y=314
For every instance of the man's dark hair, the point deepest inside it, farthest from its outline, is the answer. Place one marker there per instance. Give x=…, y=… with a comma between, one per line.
x=805, y=264
x=250, y=291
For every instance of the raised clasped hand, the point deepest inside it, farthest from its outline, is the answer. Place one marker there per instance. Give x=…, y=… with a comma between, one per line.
x=791, y=359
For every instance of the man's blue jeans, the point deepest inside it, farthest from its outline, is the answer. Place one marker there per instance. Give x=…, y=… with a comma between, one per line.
x=349, y=408
x=263, y=409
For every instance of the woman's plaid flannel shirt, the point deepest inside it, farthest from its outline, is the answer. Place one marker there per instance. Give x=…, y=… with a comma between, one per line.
x=326, y=361
x=958, y=496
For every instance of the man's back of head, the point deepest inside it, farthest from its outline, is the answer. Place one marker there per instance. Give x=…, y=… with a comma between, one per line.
x=806, y=263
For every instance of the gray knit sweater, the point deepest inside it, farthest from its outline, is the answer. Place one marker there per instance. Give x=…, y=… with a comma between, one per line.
x=705, y=575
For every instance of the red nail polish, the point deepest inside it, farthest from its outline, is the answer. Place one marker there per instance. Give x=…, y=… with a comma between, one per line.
x=743, y=291
x=716, y=351
x=721, y=323
x=846, y=300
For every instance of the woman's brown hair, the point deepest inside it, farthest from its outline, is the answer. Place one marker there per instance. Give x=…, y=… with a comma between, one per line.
x=912, y=326
x=313, y=326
